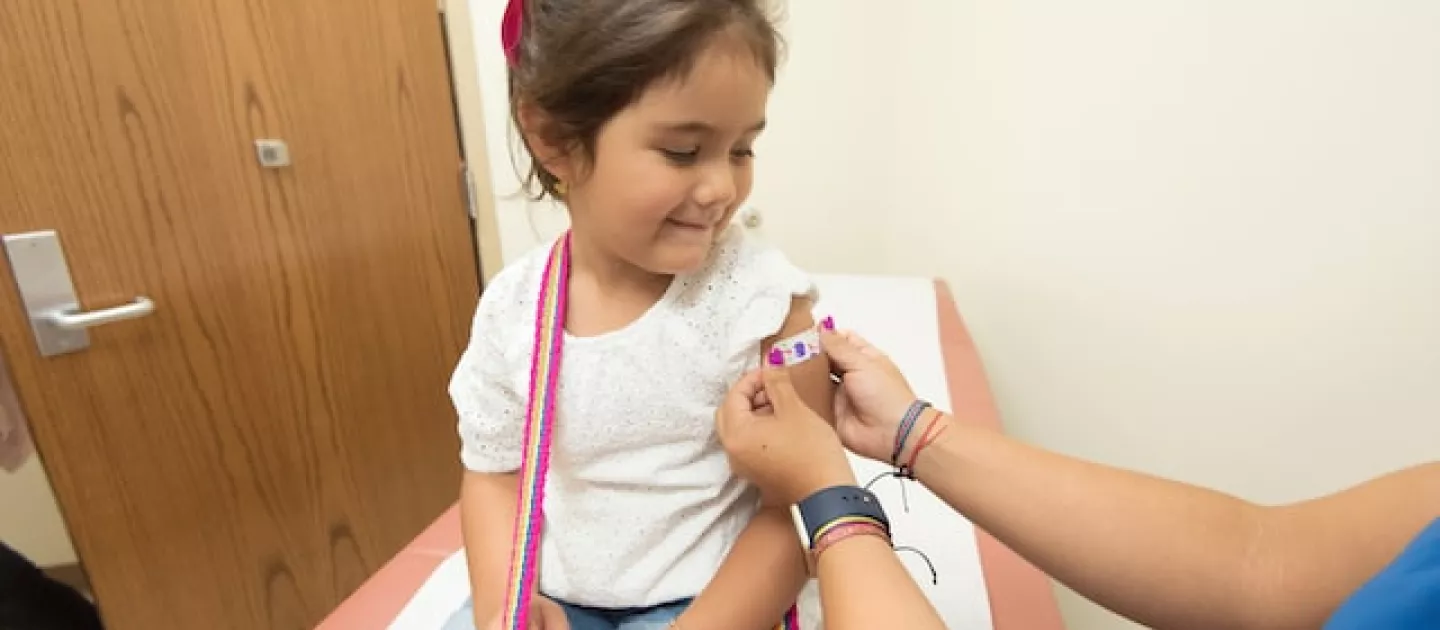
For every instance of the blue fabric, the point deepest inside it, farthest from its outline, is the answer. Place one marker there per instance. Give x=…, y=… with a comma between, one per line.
x=1403, y=596
x=587, y=618
x=654, y=618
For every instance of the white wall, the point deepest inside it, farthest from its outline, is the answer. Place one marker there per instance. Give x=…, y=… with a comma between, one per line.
x=29, y=516
x=1200, y=239
x=1196, y=233
x=522, y=224
x=30, y=519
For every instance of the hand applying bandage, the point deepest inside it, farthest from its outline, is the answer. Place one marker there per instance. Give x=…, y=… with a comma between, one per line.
x=873, y=399
x=775, y=441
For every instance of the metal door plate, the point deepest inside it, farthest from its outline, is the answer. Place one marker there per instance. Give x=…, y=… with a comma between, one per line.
x=38, y=263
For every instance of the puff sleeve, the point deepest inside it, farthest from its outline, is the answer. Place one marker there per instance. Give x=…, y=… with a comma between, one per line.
x=764, y=283
x=490, y=409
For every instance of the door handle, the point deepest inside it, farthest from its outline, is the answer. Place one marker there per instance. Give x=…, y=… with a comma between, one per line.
x=43, y=278
x=71, y=319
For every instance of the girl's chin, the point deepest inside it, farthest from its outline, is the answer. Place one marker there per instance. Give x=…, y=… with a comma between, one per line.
x=673, y=259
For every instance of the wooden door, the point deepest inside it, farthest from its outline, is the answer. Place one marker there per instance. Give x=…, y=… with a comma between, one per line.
x=245, y=456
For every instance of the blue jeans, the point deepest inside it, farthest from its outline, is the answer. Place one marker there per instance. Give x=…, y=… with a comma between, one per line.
x=588, y=618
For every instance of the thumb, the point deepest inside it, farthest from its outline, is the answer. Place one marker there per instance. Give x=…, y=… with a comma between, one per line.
x=739, y=402
x=779, y=388
x=740, y=398
x=845, y=355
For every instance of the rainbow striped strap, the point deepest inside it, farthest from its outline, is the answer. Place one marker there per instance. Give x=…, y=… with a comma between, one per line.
x=791, y=621
x=539, y=432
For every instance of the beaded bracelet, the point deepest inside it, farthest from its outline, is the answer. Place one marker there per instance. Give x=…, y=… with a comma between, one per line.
x=845, y=521
x=907, y=423
x=932, y=433
x=848, y=530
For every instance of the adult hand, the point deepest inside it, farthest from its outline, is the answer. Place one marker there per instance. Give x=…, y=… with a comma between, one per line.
x=545, y=614
x=872, y=398
x=776, y=441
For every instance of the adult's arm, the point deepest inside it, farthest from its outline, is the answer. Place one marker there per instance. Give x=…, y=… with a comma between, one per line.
x=765, y=569
x=864, y=586
x=1172, y=555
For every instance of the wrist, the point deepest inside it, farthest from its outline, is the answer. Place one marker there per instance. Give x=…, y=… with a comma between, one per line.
x=923, y=425
x=930, y=458
x=818, y=513
x=840, y=474
x=894, y=413
x=911, y=425
x=833, y=510
x=848, y=532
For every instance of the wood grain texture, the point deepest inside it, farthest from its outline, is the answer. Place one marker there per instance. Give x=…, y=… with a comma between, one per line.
x=246, y=456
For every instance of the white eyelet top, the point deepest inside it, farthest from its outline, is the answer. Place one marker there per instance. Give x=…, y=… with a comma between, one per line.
x=641, y=506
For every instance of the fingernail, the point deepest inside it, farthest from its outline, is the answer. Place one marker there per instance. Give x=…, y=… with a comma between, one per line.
x=777, y=358
x=828, y=323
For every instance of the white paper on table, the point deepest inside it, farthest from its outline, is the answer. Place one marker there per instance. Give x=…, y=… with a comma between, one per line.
x=443, y=593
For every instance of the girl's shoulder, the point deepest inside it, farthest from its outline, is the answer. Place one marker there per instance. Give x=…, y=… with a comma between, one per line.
x=741, y=297
x=504, y=318
x=744, y=277
x=515, y=289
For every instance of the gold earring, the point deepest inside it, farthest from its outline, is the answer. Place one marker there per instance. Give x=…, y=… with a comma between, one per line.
x=561, y=188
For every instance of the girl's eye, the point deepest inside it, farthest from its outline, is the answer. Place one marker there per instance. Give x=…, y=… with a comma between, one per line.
x=682, y=158
x=743, y=154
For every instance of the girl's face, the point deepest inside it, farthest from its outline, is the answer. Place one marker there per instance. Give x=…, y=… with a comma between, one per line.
x=671, y=169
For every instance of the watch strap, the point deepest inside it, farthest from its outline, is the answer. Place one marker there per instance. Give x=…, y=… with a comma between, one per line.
x=838, y=505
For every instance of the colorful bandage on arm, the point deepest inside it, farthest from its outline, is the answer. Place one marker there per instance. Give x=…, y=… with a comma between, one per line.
x=796, y=349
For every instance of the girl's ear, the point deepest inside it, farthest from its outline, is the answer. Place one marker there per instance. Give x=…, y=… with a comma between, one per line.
x=539, y=132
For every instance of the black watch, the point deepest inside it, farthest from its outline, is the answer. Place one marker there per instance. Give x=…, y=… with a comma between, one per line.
x=823, y=507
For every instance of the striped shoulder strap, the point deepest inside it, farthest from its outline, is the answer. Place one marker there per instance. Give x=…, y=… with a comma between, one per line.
x=539, y=432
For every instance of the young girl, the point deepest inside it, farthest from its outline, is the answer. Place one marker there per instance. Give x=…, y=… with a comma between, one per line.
x=640, y=117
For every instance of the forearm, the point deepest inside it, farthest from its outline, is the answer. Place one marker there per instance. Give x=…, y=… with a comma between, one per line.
x=864, y=586
x=757, y=582
x=1166, y=554
x=487, y=515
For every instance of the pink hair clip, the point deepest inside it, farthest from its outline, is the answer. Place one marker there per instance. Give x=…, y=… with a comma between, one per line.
x=510, y=29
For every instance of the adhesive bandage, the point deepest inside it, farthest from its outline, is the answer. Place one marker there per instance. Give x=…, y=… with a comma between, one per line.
x=796, y=349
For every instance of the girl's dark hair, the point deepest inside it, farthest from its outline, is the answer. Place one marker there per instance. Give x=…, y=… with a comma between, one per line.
x=580, y=62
